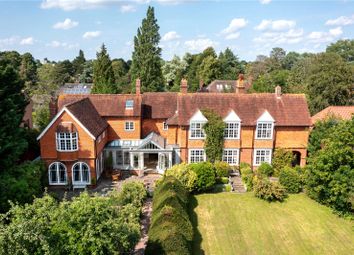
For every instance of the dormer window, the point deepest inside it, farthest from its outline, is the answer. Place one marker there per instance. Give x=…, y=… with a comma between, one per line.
x=66, y=137
x=129, y=104
x=232, y=126
x=196, y=126
x=265, y=126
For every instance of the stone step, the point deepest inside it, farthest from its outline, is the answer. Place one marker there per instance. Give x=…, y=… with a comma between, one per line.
x=238, y=185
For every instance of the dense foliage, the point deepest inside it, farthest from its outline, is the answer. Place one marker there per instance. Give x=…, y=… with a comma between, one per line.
x=281, y=158
x=214, y=132
x=85, y=225
x=222, y=169
x=265, y=169
x=247, y=175
x=290, y=179
x=205, y=175
x=184, y=174
x=267, y=190
x=171, y=231
x=330, y=170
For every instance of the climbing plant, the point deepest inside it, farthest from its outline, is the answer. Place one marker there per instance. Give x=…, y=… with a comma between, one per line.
x=214, y=131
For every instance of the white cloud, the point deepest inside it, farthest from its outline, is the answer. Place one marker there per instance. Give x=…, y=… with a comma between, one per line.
x=57, y=44
x=27, y=41
x=127, y=8
x=170, y=36
x=265, y=1
x=288, y=37
x=325, y=37
x=341, y=21
x=276, y=25
x=235, y=25
x=198, y=45
x=66, y=24
x=233, y=36
x=91, y=34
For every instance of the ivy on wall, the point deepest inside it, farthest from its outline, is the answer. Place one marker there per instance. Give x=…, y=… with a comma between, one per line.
x=214, y=131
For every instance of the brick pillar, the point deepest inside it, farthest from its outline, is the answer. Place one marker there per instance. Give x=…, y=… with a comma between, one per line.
x=184, y=86
x=53, y=107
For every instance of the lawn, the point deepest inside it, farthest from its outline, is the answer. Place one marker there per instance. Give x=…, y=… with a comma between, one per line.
x=229, y=223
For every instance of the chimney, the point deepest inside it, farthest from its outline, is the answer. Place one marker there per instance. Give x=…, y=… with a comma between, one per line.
x=240, y=87
x=53, y=107
x=184, y=86
x=201, y=85
x=137, y=86
x=278, y=91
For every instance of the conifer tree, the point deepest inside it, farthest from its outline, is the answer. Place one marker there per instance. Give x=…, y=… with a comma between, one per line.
x=79, y=63
x=103, y=75
x=146, y=60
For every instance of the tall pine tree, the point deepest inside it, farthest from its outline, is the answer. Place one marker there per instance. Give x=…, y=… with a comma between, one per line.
x=103, y=75
x=79, y=64
x=146, y=60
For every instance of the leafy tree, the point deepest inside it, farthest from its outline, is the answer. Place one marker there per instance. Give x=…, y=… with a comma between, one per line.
x=214, y=141
x=87, y=73
x=230, y=65
x=291, y=59
x=121, y=74
x=276, y=59
x=103, y=75
x=330, y=82
x=173, y=72
x=12, y=106
x=267, y=82
x=12, y=58
x=281, y=158
x=146, y=60
x=28, y=72
x=330, y=171
x=344, y=48
x=298, y=75
x=41, y=117
x=209, y=69
x=79, y=64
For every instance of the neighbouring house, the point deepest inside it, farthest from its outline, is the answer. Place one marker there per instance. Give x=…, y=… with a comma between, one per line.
x=75, y=88
x=340, y=112
x=153, y=131
x=230, y=86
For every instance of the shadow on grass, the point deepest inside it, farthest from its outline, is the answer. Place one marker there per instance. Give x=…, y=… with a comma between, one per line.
x=197, y=239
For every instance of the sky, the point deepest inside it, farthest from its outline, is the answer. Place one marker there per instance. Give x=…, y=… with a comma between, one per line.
x=57, y=29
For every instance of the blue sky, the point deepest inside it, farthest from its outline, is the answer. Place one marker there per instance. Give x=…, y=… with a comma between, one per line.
x=57, y=29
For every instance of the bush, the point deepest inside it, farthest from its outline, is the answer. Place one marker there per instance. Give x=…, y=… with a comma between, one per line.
x=183, y=173
x=205, y=175
x=290, y=179
x=265, y=169
x=281, y=159
x=247, y=175
x=132, y=193
x=171, y=231
x=270, y=191
x=222, y=169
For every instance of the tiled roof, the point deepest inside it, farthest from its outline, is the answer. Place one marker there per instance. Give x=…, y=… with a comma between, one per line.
x=86, y=113
x=288, y=110
x=159, y=105
x=107, y=105
x=212, y=87
x=342, y=112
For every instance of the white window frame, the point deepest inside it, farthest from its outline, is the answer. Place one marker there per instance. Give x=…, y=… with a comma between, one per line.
x=199, y=129
x=229, y=131
x=194, y=151
x=129, y=126
x=69, y=142
x=268, y=158
x=57, y=173
x=231, y=156
x=164, y=126
x=129, y=104
x=81, y=175
x=265, y=133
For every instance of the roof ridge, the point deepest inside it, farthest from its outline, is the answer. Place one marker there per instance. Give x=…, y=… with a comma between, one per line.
x=75, y=102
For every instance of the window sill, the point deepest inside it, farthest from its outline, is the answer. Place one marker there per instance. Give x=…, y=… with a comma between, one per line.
x=67, y=150
x=58, y=184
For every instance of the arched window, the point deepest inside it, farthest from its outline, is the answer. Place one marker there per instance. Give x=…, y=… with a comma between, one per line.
x=57, y=174
x=81, y=173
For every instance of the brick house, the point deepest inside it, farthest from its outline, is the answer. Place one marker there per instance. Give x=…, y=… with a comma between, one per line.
x=153, y=131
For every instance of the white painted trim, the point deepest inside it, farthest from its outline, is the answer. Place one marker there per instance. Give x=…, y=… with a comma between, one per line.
x=271, y=131
x=72, y=174
x=125, y=127
x=265, y=117
x=238, y=133
x=254, y=155
x=198, y=117
x=57, y=170
x=232, y=117
x=237, y=158
x=189, y=154
x=72, y=116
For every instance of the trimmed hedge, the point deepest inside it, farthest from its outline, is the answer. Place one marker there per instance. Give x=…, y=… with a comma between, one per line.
x=171, y=231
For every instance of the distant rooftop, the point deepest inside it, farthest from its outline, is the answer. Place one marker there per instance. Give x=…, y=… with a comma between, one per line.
x=76, y=88
x=341, y=112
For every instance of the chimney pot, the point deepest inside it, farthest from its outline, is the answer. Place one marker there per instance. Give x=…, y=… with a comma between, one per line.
x=278, y=91
x=184, y=86
x=240, y=87
x=137, y=86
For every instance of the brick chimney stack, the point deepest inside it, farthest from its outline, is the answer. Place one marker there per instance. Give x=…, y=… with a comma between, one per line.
x=137, y=86
x=201, y=85
x=240, y=87
x=278, y=91
x=53, y=107
x=184, y=86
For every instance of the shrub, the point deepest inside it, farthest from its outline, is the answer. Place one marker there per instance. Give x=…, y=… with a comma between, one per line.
x=205, y=175
x=265, y=169
x=281, y=159
x=290, y=179
x=270, y=191
x=183, y=173
x=132, y=193
x=247, y=175
x=222, y=169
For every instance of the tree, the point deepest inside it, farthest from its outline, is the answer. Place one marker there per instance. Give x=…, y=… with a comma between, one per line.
x=173, y=72
x=146, y=59
x=28, y=72
x=12, y=106
x=103, y=75
x=209, y=69
x=230, y=66
x=121, y=75
x=276, y=58
x=291, y=59
x=297, y=76
x=344, y=48
x=268, y=81
x=330, y=171
x=79, y=64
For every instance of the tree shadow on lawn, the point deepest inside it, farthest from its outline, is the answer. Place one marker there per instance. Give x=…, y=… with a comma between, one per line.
x=197, y=238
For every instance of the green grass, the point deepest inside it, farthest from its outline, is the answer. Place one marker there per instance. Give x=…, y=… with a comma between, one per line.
x=229, y=223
